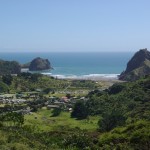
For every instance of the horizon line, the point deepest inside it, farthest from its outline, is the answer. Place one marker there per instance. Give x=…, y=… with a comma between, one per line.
x=66, y=51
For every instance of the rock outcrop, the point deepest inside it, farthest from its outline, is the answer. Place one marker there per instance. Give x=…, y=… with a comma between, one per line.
x=137, y=67
x=39, y=64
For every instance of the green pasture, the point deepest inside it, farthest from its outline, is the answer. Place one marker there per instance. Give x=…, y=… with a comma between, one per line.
x=44, y=121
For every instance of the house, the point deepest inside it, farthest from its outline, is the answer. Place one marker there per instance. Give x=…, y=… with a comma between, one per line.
x=18, y=101
x=52, y=106
x=38, y=90
x=65, y=99
x=70, y=109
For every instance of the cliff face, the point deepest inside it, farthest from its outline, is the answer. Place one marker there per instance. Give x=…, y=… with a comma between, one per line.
x=9, y=67
x=39, y=64
x=138, y=66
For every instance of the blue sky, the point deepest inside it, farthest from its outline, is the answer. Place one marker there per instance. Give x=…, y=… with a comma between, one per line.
x=74, y=25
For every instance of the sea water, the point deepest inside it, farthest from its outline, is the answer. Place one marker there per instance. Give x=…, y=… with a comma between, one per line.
x=78, y=65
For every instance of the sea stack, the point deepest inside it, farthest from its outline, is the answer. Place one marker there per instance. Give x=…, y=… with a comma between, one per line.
x=137, y=67
x=39, y=64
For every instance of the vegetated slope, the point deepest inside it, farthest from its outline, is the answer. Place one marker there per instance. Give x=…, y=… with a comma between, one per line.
x=9, y=67
x=134, y=136
x=124, y=123
x=137, y=67
x=125, y=111
x=131, y=98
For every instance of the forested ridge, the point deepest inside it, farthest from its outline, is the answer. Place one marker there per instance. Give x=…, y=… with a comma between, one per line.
x=9, y=67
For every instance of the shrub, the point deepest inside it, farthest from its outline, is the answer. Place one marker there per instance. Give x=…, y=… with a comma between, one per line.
x=79, y=111
x=111, y=120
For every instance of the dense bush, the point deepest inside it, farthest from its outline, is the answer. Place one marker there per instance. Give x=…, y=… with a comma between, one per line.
x=116, y=88
x=7, y=79
x=133, y=136
x=79, y=111
x=111, y=119
x=80, y=140
x=9, y=67
x=56, y=112
x=132, y=98
x=3, y=87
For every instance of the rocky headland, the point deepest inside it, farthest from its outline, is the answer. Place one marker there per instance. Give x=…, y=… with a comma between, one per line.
x=138, y=66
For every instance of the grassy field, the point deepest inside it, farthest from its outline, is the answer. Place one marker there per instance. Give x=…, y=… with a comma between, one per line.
x=44, y=121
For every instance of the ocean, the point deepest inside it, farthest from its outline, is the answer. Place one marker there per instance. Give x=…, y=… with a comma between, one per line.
x=78, y=64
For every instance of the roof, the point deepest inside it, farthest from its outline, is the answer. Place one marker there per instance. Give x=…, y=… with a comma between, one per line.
x=52, y=106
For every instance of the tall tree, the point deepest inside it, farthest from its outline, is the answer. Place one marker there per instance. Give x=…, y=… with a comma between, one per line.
x=7, y=79
x=79, y=110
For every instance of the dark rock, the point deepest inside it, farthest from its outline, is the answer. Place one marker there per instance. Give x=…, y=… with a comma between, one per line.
x=39, y=64
x=137, y=67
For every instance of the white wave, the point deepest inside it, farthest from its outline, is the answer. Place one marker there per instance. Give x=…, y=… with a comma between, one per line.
x=102, y=75
x=46, y=73
x=83, y=77
x=65, y=76
x=59, y=76
x=87, y=77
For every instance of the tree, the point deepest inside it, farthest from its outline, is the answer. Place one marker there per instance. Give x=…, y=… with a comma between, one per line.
x=79, y=139
x=111, y=120
x=79, y=110
x=3, y=87
x=9, y=67
x=68, y=95
x=116, y=88
x=56, y=112
x=47, y=90
x=7, y=79
x=16, y=118
x=35, y=76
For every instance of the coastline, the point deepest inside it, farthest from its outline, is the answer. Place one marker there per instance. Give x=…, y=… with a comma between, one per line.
x=94, y=77
x=112, y=78
x=105, y=80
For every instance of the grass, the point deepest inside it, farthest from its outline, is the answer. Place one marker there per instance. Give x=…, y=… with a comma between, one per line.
x=2, y=105
x=44, y=121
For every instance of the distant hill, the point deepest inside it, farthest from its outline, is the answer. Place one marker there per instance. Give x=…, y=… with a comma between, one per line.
x=137, y=67
x=39, y=64
x=9, y=67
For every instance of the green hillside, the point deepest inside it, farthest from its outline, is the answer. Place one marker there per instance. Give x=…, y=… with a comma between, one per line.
x=114, y=118
x=9, y=67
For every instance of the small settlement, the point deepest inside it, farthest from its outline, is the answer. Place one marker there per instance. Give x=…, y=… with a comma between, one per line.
x=26, y=103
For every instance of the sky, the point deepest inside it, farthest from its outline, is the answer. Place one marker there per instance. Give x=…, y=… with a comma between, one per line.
x=74, y=25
